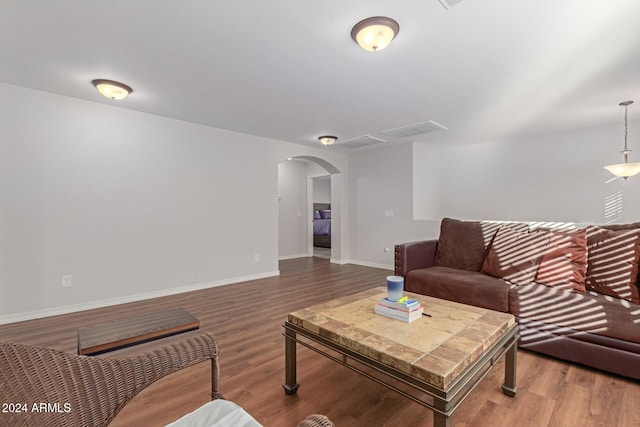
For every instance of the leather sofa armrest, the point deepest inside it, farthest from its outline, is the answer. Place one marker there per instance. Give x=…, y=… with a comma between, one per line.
x=414, y=255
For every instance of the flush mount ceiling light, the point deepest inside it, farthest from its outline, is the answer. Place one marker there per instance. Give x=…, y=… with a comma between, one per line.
x=626, y=169
x=375, y=33
x=112, y=89
x=328, y=139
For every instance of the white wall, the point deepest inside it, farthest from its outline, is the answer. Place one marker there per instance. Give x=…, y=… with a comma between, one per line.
x=130, y=204
x=554, y=177
x=322, y=189
x=134, y=205
x=381, y=182
x=293, y=215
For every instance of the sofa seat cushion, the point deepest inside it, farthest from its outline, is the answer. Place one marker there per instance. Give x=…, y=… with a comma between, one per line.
x=467, y=287
x=563, y=312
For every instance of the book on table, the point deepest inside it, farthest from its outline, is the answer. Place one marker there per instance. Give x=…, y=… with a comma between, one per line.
x=399, y=314
x=407, y=304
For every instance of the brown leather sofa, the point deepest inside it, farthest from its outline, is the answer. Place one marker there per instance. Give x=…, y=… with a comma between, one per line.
x=586, y=327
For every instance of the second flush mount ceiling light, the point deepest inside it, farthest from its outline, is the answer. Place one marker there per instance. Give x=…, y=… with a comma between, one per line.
x=112, y=89
x=375, y=33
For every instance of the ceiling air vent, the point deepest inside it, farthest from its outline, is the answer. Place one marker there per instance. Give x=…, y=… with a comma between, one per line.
x=360, y=141
x=414, y=129
x=448, y=3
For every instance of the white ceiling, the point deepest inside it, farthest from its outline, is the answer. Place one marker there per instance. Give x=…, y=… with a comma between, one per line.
x=288, y=69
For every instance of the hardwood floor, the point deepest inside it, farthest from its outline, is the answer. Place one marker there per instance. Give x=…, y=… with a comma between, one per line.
x=247, y=320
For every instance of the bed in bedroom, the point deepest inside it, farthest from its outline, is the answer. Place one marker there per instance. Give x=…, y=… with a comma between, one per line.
x=322, y=225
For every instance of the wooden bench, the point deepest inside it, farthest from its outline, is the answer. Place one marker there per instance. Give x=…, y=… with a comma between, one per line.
x=119, y=333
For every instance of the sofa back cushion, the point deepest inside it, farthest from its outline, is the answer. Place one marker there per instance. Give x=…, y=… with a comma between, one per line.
x=616, y=227
x=612, y=268
x=515, y=255
x=463, y=244
x=564, y=260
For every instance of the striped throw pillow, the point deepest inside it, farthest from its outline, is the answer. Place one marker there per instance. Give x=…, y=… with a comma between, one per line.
x=515, y=256
x=564, y=261
x=612, y=268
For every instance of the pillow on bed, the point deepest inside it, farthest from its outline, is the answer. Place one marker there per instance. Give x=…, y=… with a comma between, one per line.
x=325, y=214
x=316, y=215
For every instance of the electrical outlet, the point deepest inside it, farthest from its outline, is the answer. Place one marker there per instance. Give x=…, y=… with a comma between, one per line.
x=387, y=251
x=66, y=281
x=256, y=257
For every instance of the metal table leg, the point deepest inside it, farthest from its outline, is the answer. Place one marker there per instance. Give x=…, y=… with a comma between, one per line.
x=441, y=420
x=290, y=386
x=509, y=387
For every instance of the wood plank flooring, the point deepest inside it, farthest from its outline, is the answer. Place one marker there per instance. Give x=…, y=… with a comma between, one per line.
x=247, y=320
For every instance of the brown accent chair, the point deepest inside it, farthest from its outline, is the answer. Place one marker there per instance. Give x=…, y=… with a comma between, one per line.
x=89, y=391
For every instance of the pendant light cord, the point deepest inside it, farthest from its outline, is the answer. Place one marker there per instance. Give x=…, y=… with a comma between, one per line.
x=626, y=150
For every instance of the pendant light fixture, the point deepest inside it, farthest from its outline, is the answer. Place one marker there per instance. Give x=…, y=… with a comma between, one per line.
x=112, y=89
x=626, y=169
x=375, y=33
x=328, y=139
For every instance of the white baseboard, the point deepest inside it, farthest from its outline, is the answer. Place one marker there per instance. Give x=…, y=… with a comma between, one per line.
x=55, y=311
x=285, y=257
x=368, y=264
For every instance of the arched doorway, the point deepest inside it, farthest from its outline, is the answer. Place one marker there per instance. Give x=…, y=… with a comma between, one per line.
x=296, y=208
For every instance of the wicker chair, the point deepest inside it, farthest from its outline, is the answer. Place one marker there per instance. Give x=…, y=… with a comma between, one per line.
x=316, y=420
x=89, y=391
x=95, y=389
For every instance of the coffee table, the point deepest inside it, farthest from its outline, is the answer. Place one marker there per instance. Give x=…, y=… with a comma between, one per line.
x=436, y=361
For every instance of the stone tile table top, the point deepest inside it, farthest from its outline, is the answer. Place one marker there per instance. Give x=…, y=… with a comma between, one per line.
x=434, y=349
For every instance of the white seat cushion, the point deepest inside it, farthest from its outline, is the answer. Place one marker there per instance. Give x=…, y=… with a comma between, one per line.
x=217, y=413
